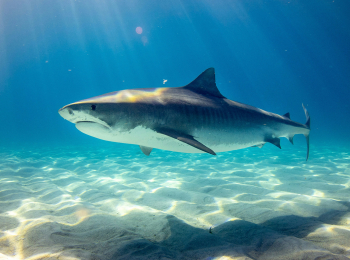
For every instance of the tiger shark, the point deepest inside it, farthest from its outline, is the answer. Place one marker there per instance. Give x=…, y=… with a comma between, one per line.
x=195, y=118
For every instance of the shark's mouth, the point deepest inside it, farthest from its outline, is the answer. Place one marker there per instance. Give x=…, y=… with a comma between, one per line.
x=85, y=122
x=92, y=124
x=92, y=128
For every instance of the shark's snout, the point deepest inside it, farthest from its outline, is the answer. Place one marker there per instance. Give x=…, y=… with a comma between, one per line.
x=83, y=119
x=66, y=112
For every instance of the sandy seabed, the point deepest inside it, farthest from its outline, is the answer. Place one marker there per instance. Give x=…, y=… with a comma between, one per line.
x=115, y=203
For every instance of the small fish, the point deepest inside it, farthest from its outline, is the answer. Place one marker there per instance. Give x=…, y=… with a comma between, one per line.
x=195, y=118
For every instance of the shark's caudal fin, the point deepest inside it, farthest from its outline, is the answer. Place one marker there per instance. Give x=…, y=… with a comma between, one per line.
x=290, y=138
x=307, y=135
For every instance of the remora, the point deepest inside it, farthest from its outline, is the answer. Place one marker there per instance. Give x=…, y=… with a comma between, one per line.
x=195, y=118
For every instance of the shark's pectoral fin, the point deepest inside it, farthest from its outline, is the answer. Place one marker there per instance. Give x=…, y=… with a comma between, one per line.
x=188, y=139
x=146, y=150
x=273, y=140
x=191, y=141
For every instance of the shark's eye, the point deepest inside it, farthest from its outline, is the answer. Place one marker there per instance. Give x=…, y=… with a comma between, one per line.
x=93, y=107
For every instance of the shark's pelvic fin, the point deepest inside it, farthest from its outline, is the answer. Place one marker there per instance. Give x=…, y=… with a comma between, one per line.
x=291, y=139
x=188, y=139
x=205, y=84
x=274, y=140
x=146, y=150
x=307, y=135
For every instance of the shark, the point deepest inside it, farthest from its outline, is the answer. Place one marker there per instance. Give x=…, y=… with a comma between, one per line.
x=195, y=118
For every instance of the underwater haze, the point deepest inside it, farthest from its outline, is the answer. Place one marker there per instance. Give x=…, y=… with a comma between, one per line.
x=67, y=195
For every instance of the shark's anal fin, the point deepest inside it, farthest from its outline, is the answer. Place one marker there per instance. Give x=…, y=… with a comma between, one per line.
x=188, y=139
x=273, y=140
x=146, y=150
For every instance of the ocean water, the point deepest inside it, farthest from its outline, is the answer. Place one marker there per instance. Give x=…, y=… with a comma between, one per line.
x=66, y=195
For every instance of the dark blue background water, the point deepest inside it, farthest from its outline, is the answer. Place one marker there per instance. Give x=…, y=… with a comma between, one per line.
x=271, y=54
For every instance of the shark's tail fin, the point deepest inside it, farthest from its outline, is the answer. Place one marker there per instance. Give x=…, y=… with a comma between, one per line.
x=307, y=135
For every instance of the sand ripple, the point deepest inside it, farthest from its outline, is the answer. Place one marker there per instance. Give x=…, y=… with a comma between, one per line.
x=115, y=203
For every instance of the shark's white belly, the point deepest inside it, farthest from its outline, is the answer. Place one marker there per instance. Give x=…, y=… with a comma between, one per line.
x=147, y=137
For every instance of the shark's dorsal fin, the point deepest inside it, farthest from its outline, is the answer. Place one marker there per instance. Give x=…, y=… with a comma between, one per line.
x=205, y=84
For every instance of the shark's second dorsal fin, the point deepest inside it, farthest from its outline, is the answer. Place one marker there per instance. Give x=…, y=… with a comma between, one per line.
x=287, y=115
x=205, y=84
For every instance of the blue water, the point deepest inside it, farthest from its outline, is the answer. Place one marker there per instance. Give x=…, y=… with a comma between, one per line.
x=274, y=55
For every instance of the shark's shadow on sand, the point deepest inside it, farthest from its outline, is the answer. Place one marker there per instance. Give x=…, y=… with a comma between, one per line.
x=278, y=238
